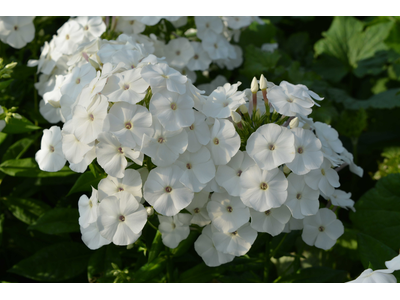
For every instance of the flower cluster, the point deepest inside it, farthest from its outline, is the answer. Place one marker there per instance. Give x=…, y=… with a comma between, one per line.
x=230, y=164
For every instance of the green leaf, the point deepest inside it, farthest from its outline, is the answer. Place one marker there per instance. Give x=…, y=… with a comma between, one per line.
x=374, y=251
x=19, y=148
x=391, y=163
x=373, y=65
x=156, y=247
x=316, y=275
x=257, y=62
x=149, y=270
x=27, y=167
x=392, y=40
x=25, y=210
x=347, y=41
x=251, y=35
x=185, y=245
x=330, y=68
x=199, y=274
x=378, y=211
x=20, y=126
x=57, y=220
x=54, y=263
x=3, y=136
x=5, y=84
x=100, y=263
x=85, y=183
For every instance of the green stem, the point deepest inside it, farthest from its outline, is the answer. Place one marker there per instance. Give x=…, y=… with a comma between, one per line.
x=169, y=265
x=279, y=245
x=152, y=225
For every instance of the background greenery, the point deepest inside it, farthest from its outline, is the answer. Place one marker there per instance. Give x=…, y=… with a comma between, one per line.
x=353, y=62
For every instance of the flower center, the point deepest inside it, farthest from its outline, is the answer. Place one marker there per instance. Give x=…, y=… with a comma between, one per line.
x=267, y=212
x=225, y=104
x=90, y=203
x=51, y=149
x=173, y=225
x=86, y=28
x=121, y=218
x=264, y=186
x=238, y=173
x=191, y=127
x=229, y=209
x=215, y=46
x=290, y=100
x=160, y=140
x=132, y=22
x=120, y=189
x=91, y=117
x=67, y=37
x=300, y=150
x=216, y=141
x=15, y=27
x=207, y=25
x=125, y=86
x=173, y=106
x=234, y=233
x=196, y=57
x=128, y=125
x=188, y=166
x=298, y=196
x=168, y=189
x=196, y=210
x=78, y=81
x=323, y=172
x=321, y=228
x=120, y=150
x=271, y=147
x=165, y=76
x=178, y=52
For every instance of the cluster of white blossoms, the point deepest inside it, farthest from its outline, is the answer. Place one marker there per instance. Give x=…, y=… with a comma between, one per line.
x=168, y=148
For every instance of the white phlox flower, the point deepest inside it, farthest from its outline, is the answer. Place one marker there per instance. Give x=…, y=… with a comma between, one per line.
x=308, y=155
x=92, y=238
x=198, y=169
x=227, y=213
x=210, y=87
x=377, y=276
x=293, y=224
x=68, y=37
x=235, y=243
x=93, y=27
x=310, y=95
x=228, y=176
x=75, y=81
x=224, y=143
x=89, y=92
x=206, y=24
x=129, y=123
x=54, y=96
x=347, y=157
x=325, y=178
x=198, y=132
x=161, y=75
x=174, y=111
x=50, y=157
x=131, y=183
x=111, y=155
x=178, y=52
x=88, y=209
x=322, y=229
x=205, y=247
x=127, y=86
x=341, y=198
x=73, y=149
x=165, y=192
x=198, y=209
x=130, y=58
x=301, y=200
x=174, y=229
x=195, y=94
x=48, y=58
x=393, y=264
x=270, y=146
x=262, y=189
x=130, y=25
x=329, y=138
x=51, y=112
x=200, y=60
x=121, y=218
x=164, y=146
x=216, y=46
x=84, y=163
x=272, y=221
x=17, y=31
x=238, y=21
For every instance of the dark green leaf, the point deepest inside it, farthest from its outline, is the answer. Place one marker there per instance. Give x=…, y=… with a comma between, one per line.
x=378, y=211
x=2, y=137
x=4, y=84
x=374, y=251
x=100, y=263
x=25, y=210
x=199, y=274
x=316, y=275
x=393, y=38
x=330, y=68
x=54, y=263
x=85, y=183
x=185, y=245
x=251, y=35
x=20, y=126
x=57, y=220
x=156, y=247
x=27, y=167
x=149, y=270
x=257, y=62
x=373, y=65
x=18, y=148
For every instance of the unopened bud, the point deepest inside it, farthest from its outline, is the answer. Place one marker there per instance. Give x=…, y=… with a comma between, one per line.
x=243, y=109
x=150, y=211
x=94, y=64
x=263, y=83
x=286, y=170
x=254, y=86
x=235, y=117
x=306, y=126
x=11, y=66
x=294, y=123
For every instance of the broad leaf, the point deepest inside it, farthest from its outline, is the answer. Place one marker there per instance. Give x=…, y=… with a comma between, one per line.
x=57, y=220
x=149, y=270
x=20, y=126
x=185, y=245
x=4, y=84
x=156, y=247
x=85, y=183
x=258, y=62
x=251, y=35
x=25, y=210
x=100, y=263
x=27, y=167
x=19, y=148
x=54, y=263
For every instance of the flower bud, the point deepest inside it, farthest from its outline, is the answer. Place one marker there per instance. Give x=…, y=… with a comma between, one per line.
x=235, y=117
x=11, y=66
x=294, y=123
x=286, y=170
x=243, y=109
x=263, y=83
x=150, y=211
x=254, y=86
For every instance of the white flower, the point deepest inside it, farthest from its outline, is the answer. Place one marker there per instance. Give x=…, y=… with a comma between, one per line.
x=198, y=169
x=216, y=45
x=50, y=157
x=270, y=146
x=73, y=149
x=198, y=132
x=393, y=264
x=92, y=238
x=348, y=158
x=74, y=82
x=206, y=24
x=322, y=229
x=68, y=37
x=377, y=276
x=131, y=183
x=200, y=60
x=127, y=86
x=228, y=176
x=235, y=243
x=178, y=52
x=88, y=209
x=267, y=47
x=205, y=247
x=165, y=192
x=272, y=221
x=87, y=159
x=262, y=189
x=174, y=111
x=130, y=25
x=174, y=229
x=111, y=155
x=308, y=155
x=224, y=143
x=301, y=200
x=165, y=146
x=121, y=218
x=293, y=224
x=198, y=209
x=161, y=75
x=237, y=22
x=129, y=123
x=51, y=112
x=341, y=198
x=227, y=213
x=17, y=31
x=329, y=137
x=325, y=178
x=93, y=27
